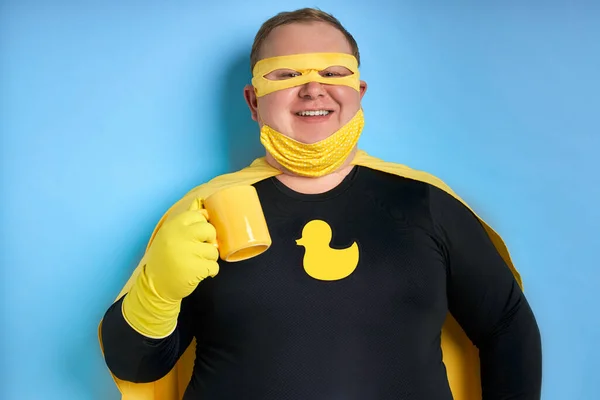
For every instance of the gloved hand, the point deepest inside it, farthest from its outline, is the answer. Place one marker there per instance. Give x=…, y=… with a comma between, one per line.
x=182, y=254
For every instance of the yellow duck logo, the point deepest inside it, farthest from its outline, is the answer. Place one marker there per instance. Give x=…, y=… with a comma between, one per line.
x=321, y=261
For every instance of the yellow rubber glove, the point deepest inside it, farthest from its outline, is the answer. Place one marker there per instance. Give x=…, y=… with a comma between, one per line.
x=182, y=254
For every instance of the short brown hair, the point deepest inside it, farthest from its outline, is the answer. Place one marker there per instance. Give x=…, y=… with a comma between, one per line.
x=290, y=17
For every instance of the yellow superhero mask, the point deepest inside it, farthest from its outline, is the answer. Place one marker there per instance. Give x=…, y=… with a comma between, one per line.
x=310, y=67
x=278, y=73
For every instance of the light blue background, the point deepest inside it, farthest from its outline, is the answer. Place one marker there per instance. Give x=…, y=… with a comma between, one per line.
x=112, y=110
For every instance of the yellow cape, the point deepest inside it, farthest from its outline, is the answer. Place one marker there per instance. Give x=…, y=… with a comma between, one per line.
x=460, y=356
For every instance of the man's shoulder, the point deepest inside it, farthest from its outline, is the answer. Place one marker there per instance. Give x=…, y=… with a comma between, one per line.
x=401, y=170
x=255, y=172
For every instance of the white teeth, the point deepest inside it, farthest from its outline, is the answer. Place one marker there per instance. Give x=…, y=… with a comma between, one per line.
x=313, y=113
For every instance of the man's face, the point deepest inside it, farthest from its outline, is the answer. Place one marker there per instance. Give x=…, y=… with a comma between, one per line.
x=280, y=110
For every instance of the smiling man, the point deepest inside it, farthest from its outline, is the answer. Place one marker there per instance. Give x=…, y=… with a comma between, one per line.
x=378, y=283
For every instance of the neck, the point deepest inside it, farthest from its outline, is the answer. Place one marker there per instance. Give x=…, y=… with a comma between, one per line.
x=310, y=185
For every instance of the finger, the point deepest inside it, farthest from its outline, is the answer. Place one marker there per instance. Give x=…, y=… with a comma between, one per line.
x=206, y=252
x=212, y=269
x=203, y=232
x=187, y=218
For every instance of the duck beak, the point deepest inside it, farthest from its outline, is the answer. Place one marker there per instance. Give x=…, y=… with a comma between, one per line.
x=299, y=242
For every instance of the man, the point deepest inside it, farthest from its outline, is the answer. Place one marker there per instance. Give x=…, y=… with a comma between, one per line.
x=272, y=327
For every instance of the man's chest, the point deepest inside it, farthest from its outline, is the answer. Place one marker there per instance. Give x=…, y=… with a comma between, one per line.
x=345, y=259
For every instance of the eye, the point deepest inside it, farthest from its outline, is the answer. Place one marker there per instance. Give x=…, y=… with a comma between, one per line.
x=335, y=72
x=289, y=74
x=282, y=74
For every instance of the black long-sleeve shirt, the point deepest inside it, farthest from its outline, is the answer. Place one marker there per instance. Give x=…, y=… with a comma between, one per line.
x=267, y=329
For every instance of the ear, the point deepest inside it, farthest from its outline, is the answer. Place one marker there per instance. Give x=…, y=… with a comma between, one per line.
x=251, y=100
x=362, y=88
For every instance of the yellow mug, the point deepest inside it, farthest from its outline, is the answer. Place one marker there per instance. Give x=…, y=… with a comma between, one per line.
x=237, y=215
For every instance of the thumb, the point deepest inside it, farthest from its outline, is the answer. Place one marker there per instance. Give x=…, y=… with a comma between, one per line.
x=196, y=204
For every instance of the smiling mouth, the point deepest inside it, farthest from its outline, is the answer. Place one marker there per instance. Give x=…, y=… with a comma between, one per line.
x=315, y=113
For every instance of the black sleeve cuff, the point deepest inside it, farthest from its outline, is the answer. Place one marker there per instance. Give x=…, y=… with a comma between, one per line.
x=133, y=357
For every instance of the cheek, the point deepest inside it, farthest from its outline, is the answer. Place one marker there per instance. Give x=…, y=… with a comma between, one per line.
x=348, y=100
x=275, y=103
x=345, y=96
x=273, y=108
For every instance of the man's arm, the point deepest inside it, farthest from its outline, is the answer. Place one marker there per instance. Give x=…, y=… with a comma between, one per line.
x=147, y=330
x=488, y=303
x=132, y=357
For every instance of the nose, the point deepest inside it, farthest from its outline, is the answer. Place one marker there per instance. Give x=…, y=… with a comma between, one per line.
x=312, y=90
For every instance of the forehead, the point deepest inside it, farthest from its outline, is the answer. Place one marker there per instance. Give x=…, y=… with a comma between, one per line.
x=298, y=38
